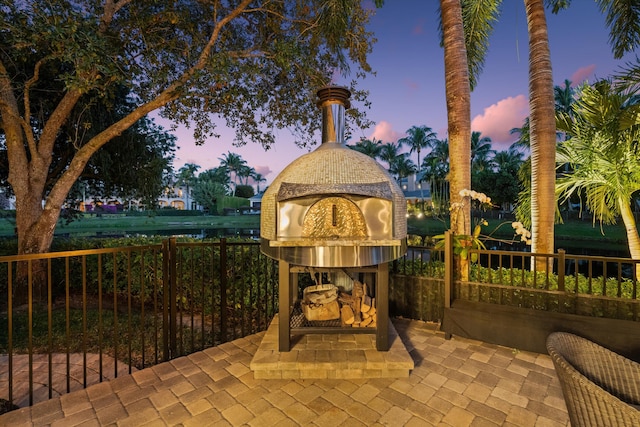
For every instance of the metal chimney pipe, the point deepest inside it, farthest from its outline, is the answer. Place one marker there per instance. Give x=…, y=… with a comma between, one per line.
x=333, y=100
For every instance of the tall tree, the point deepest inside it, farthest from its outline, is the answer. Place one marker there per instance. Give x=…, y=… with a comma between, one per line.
x=194, y=60
x=389, y=152
x=604, y=155
x=370, y=147
x=524, y=136
x=481, y=152
x=542, y=134
x=234, y=164
x=497, y=182
x=466, y=27
x=418, y=138
x=402, y=167
x=564, y=97
x=186, y=176
x=258, y=178
x=436, y=171
x=458, y=95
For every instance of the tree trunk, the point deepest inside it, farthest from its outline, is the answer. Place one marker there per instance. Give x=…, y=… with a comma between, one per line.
x=458, y=95
x=632, y=231
x=542, y=134
x=35, y=226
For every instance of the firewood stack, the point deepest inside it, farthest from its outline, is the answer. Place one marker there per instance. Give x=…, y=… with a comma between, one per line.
x=358, y=308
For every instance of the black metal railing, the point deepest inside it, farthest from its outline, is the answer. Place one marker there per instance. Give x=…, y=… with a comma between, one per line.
x=116, y=310
x=424, y=282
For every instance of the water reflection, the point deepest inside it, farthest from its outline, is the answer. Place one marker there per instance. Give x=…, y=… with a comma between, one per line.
x=197, y=233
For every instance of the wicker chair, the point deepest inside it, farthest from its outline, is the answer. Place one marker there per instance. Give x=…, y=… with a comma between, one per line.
x=600, y=387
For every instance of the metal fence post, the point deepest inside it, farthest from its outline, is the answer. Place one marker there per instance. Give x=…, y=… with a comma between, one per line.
x=223, y=290
x=165, y=300
x=561, y=266
x=449, y=272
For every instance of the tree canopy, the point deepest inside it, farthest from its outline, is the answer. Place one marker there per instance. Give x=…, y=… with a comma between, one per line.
x=251, y=65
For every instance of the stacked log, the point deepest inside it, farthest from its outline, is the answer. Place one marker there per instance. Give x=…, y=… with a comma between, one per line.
x=358, y=308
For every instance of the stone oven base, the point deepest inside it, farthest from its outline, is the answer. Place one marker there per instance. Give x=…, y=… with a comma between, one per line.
x=330, y=356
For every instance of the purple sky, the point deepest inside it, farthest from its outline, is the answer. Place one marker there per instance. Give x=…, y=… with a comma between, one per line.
x=408, y=89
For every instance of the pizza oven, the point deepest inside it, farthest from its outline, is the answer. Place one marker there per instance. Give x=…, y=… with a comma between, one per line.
x=333, y=207
x=336, y=214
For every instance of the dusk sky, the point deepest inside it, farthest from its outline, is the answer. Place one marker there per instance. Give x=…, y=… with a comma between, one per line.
x=408, y=89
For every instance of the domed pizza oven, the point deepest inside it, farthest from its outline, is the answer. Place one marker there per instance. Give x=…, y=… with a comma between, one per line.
x=333, y=207
x=334, y=212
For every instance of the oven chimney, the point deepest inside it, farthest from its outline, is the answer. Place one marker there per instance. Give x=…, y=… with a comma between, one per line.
x=333, y=101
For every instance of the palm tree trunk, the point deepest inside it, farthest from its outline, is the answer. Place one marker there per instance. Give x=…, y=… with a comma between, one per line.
x=542, y=133
x=632, y=231
x=458, y=95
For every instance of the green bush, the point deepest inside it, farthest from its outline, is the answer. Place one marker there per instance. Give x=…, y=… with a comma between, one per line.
x=229, y=202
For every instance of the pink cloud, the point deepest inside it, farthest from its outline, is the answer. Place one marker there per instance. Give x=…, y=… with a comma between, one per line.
x=498, y=119
x=263, y=170
x=385, y=133
x=582, y=74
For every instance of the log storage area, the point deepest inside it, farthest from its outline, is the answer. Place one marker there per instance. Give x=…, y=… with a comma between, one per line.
x=350, y=306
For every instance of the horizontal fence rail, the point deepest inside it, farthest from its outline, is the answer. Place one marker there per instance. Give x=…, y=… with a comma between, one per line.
x=104, y=313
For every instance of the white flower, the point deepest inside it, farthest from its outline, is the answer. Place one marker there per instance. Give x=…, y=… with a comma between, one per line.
x=464, y=193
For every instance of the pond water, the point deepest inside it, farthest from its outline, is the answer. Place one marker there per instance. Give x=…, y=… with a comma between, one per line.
x=198, y=233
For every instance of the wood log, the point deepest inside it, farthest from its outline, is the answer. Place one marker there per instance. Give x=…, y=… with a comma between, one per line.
x=353, y=302
x=374, y=321
x=372, y=312
x=366, y=322
x=358, y=289
x=346, y=314
x=366, y=304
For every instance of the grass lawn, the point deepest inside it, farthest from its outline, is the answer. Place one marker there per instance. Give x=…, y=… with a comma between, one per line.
x=571, y=230
x=121, y=223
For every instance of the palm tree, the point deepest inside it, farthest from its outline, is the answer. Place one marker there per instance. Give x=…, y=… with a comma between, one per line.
x=622, y=19
x=389, y=152
x=436, y=171
x=524, y=136
x=258, y=178
x=564, y=97
x=466, y=27
x=370, y=147
x=458, y=94
x=604, y=154
x=480, y=152
x=402, y=167
x=542, y=134
x=507, y=164
x=419, y=137
x=233, y=163
x=186, y=177
x=245, y=173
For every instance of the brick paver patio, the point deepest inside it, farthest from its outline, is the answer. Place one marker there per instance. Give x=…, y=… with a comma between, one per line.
x=457, y=382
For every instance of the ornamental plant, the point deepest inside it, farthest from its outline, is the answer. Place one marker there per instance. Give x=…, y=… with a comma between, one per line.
x=463, y=243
